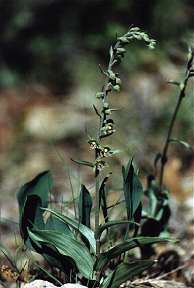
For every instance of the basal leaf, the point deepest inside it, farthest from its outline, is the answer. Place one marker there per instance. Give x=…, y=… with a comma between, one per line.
x=67, y=246
x=102, y=197
x=31, y=197
x=133, y=189
x=125, y=272
x=82, y=229
x=55, y=224
x=85, y=206
x=126, y=245
x=110, y=224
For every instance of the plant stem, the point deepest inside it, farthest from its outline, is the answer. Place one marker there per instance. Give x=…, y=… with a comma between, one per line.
x=97, y=208
x=170, y=129
x=102, y=118
x=112, y=82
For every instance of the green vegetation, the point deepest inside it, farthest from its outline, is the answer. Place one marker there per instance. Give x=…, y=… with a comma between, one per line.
x=72, y=244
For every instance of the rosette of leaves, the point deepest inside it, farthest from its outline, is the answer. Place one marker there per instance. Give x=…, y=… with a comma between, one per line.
x=69, y=243
x=53, y=238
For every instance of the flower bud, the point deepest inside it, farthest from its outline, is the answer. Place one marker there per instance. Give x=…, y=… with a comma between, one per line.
x=100, y=95
x=137, y=36
x=107, y=151
x=118, y=81
x=120, y=50
x=116, y=88
x=123, y=39
x=111, y=75
x=145, y=37
x=134, y=29
x=100, y=164
x=93, y=144
x=106, y=105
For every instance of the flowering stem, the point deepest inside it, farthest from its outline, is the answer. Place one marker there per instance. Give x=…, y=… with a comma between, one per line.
x=183, y=85
x=106, y=124
x=102, y=120
x=167, y=142
x=97, y=208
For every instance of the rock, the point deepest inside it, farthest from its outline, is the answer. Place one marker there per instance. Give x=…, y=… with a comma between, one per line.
x=54, y=122
x=46, y=284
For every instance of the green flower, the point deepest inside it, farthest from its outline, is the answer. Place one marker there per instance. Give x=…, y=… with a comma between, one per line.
x=93, y=144
x=108, y=128
x=100, y=164
x=105, y=152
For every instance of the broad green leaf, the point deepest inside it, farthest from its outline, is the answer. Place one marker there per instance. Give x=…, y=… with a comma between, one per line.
x=102, y=198
x=82, y=229
x=52, y=256
x=133, y=189
x=83, y=162
x=67, y=246
x=125, y=272
x=55, y=224
x=31, y=197
x=110, y=224
x=126, y=245
x=85, y=206
x=183, y=143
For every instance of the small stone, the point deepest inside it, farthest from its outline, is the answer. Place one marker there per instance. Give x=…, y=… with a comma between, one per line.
x=46, y=284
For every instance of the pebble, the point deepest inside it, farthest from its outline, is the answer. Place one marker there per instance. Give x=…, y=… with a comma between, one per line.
x=46, y=284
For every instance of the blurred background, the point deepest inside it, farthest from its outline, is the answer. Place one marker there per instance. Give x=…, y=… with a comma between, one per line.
x=49, y=75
